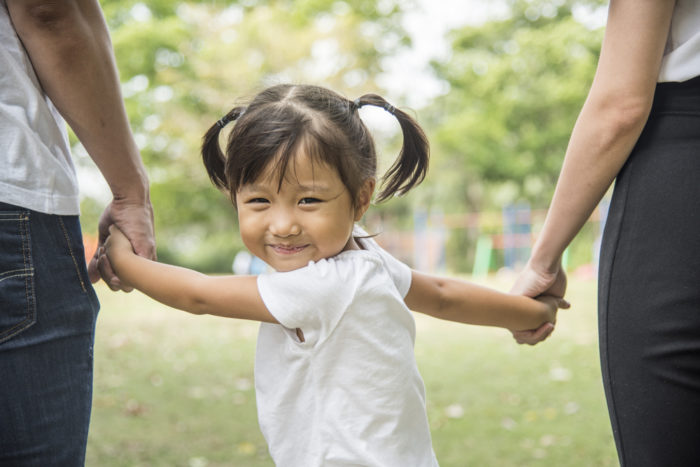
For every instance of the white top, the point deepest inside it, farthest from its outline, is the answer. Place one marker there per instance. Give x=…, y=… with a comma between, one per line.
x=37, y=170
x=681, y=60
x=351, y=393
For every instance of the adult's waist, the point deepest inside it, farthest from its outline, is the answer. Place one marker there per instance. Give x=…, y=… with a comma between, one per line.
x=681, y=97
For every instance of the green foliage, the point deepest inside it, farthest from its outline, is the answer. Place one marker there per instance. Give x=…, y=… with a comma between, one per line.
x=499, y=134
x=515, y=89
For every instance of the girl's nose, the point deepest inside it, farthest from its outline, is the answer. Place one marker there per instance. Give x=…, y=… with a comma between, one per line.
x=284, y=224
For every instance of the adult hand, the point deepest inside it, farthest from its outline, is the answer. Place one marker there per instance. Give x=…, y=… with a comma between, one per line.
x=533, y=336
x=135, y=220
x=533, y=282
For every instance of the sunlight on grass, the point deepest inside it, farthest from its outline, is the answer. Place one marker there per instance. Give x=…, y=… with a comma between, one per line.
x=172, y=389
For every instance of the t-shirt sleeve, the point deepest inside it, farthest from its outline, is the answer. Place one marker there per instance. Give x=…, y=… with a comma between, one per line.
x=400, y=273
x=312, y=298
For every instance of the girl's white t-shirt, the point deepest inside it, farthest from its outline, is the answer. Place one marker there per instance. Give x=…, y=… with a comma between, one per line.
x=681, y=60
x=351, y=393
x=37, y=170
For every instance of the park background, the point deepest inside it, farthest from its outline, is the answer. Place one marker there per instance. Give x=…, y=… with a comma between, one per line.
x=497, y=86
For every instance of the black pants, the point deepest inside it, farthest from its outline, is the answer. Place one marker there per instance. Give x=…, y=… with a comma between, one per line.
x=649, y=293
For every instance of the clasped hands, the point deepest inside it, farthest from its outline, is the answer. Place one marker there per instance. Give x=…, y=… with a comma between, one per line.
x=533, y=282
x=134, y=221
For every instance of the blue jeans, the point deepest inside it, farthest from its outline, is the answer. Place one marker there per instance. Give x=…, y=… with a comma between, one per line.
x=48, y=310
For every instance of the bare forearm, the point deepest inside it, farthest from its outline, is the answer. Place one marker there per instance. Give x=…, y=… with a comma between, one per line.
x=171, y=285
x=472, y=304
x=464, y=302
x=598, y=149
x=610, y=122
x=70, y=49
x=184, y=289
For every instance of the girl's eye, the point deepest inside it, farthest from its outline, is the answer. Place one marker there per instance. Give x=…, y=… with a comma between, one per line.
x=257, y=201
x=309, y=201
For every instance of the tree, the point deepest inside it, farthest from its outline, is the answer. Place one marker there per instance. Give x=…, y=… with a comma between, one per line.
x=499, y=134
x=516, y=86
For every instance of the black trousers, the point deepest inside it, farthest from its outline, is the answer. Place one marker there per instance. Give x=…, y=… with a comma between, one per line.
x=649, y=289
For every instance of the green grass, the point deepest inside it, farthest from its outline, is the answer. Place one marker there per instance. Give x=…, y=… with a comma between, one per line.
x=173, y=389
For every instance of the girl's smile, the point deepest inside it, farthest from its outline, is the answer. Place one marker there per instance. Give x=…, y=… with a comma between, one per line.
x=287, y=249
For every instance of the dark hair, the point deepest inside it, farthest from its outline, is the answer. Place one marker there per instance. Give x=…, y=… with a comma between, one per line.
x=284, y=119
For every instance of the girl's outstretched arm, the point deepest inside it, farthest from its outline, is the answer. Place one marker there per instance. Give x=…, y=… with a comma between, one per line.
x=185, y=289
x=465, y=302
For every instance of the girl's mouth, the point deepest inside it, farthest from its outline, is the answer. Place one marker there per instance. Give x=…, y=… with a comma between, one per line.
x=288, y=249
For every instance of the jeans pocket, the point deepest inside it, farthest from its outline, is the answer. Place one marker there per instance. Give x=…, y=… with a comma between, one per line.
x=17, y=300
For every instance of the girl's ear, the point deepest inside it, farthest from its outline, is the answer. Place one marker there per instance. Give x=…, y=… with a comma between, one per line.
x=364, y=198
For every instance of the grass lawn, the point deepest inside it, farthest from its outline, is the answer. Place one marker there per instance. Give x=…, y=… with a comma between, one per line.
x=173, y=389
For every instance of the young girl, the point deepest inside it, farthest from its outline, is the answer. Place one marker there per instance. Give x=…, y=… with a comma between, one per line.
x=335, y=376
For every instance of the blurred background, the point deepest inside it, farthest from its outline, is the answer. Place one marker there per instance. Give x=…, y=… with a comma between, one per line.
x=497, y=86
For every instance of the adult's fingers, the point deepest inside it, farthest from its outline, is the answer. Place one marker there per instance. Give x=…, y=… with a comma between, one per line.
x=532, y=337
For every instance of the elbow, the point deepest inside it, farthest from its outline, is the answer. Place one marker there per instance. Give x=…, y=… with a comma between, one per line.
x=196, y=304
x=630, y=115
x=63, y=25
x=195, y=299
x=48, y=17
x=622, y=115
x=440, y=302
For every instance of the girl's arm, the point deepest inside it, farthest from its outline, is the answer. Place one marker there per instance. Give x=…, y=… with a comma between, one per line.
x=185, y=289
x=610, y=122
x=464, y=302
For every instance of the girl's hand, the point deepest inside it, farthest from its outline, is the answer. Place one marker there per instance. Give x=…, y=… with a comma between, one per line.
x=534, y=336
x=115, y=247
x=116, y=243
x=552, y=304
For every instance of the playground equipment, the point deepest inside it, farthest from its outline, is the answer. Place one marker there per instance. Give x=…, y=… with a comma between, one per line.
x=502, y=240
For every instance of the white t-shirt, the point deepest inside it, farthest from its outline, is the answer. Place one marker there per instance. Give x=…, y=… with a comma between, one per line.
x=36, y=167
x=351, y=393
x=681, y=60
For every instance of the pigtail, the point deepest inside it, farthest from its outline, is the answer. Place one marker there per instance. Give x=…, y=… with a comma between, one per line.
x=411, y=165
x=214, y=160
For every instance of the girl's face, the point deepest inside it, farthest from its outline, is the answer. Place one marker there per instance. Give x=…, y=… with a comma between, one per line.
x=309, y=218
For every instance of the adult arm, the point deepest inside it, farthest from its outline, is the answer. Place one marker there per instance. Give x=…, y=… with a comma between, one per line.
x=608, y=126
x=464, y=302
x=71, y=52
